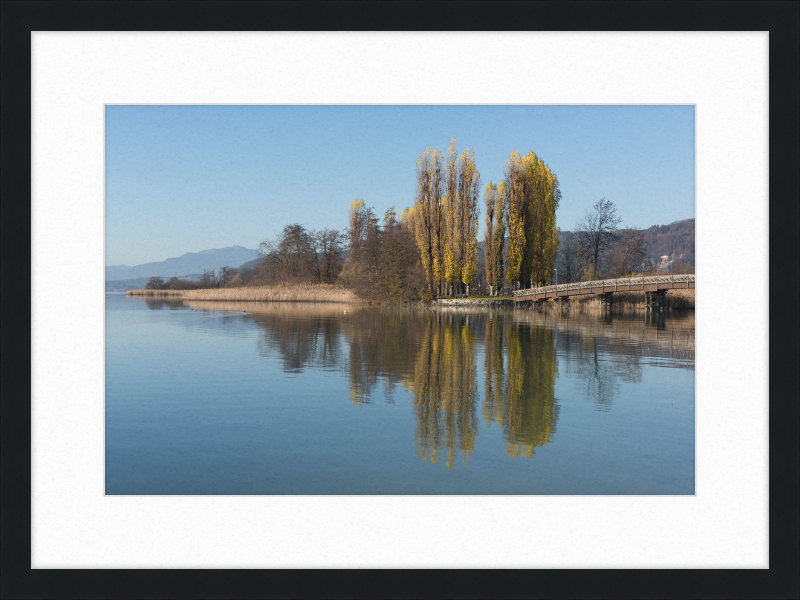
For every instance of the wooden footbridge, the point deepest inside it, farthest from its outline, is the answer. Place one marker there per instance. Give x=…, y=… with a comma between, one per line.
x=655, y=288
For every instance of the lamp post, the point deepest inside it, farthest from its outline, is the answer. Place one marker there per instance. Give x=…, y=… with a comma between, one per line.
x=556, y=271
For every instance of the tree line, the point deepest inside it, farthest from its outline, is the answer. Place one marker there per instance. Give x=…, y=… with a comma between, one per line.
x=431, y=249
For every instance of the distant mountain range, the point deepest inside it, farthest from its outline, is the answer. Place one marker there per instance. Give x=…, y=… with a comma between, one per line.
x=189, y=263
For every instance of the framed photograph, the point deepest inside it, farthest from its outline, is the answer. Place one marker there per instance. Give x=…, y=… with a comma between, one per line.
x=463, y=344
x=192, y=426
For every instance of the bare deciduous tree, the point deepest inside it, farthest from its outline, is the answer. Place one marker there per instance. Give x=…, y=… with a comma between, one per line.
x=628, y=253
x=225, y=275
x=597, y=231
x=390, y=266
x=209, y=279
x=330, y=249
x=155, y=283
x=568, y=264
x=246, y=275
x=291, y=257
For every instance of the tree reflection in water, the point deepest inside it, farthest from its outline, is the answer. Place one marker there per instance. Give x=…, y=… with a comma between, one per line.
x=600, y=351
x=531, y=411
x=304, y=336
x=154, y=304
x=382, y=346
x=445, y=389
x=436, y=355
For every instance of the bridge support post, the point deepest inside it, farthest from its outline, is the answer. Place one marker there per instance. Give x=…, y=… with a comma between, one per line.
x=661, y=296
x=607, y=300
x=655, y=300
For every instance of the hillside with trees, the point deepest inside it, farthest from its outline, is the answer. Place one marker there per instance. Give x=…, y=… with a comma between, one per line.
x=675, y=241
x=626, y=251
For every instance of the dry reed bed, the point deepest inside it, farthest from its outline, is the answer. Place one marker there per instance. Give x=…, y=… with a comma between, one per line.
x=310, y=292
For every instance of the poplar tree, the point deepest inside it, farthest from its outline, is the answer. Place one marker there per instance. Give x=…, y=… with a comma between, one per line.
x=452, y=218
x=462, y=184
x=516, y=214
x=469, y=182
x=424, y=215
x=499, y=244
x=439, y=229
x=407, y=217
x=430, y=217
x=445, y=216
x=359, y=220
x=541, y=234
x=494, y=236
x=533, y=195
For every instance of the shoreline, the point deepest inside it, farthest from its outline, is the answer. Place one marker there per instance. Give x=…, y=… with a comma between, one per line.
x=316, y=292
x=327, y=293
x=500, y=302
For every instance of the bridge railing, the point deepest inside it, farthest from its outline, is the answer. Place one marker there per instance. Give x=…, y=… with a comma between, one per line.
x=582, y=285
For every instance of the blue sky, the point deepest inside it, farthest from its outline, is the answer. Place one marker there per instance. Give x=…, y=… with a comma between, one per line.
x=187, y=178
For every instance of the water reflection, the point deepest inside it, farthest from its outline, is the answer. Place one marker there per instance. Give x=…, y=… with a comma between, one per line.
x=655, y=318
x=438, y=357
x=302, y=335
x=445, y=388
x=382, y=346
x=531, y=412
x=164, y=304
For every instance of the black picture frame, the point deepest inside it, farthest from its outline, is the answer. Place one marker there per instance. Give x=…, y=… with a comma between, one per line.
x=19, y=18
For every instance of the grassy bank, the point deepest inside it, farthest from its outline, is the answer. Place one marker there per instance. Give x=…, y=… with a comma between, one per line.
x=305, y=292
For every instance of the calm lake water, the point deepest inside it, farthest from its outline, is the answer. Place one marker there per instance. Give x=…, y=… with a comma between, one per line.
x=293, y=398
